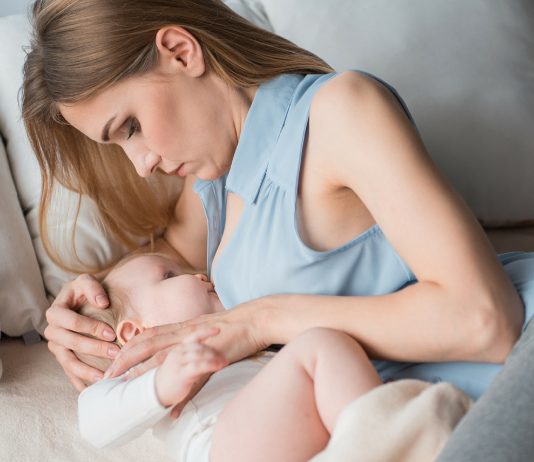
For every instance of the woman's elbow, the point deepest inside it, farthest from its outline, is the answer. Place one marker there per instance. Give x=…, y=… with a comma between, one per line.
x=497, y=329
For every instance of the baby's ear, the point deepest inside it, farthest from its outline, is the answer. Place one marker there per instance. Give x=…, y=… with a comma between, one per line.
x=128, y=329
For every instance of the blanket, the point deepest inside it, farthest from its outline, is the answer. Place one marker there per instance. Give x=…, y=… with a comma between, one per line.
x=403, y=421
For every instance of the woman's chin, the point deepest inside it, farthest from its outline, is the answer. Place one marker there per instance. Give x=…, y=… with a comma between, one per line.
x=210, y=174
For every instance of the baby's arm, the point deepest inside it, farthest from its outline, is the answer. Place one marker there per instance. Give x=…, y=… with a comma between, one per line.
x=114, y=411
x=184, y=366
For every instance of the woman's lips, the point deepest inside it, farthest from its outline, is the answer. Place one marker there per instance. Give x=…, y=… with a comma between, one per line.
x=178, y=171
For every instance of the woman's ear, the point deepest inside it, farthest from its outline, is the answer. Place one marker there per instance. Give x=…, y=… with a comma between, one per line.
x=128, y=329
x=179, y=50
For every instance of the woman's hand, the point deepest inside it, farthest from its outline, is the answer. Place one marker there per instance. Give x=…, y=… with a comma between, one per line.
x=185, y=365
x=65, y=326
x=239, y=336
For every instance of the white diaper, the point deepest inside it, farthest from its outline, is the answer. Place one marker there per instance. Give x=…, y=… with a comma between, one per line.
x=188, y=438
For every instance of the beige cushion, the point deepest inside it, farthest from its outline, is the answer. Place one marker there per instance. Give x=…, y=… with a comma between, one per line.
x=22, y=295
x=465, y=68
x=39, y=414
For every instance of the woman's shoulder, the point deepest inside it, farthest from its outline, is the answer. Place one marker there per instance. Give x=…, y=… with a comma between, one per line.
x=348, y=112
x=349, y=89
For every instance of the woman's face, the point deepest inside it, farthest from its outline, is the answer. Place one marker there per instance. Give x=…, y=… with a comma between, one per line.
x=179, y=118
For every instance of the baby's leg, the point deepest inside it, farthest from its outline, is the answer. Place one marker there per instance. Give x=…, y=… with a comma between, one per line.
x=289, y=409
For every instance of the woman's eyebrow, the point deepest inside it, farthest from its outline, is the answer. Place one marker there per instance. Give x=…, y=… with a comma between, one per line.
x=105, y=130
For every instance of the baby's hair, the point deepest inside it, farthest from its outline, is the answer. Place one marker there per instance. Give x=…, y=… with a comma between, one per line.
x=112, y=316
x=119, y=307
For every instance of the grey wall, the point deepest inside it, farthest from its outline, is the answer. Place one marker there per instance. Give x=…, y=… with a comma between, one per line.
x=8, y=7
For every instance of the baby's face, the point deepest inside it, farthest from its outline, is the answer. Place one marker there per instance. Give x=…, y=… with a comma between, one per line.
x=161, y=293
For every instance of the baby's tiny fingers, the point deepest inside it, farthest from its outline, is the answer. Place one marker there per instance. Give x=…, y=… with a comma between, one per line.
x=193, y=355
x=198, y=369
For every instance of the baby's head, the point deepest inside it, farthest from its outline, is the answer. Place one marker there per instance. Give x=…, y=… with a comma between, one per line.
x=147, y=290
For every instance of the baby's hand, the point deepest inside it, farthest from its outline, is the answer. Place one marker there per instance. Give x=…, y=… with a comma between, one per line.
x=185, y=364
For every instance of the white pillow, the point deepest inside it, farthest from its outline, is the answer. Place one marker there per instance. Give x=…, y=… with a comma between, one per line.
x=22, y=295
x=465, y=69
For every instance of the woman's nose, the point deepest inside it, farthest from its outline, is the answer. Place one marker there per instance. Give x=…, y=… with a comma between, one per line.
x=145, y=164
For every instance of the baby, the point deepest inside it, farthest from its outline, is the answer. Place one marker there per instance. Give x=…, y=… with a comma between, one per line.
x=264, y=405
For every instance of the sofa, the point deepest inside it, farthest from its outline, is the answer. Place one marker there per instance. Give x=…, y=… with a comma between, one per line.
x=466, y=71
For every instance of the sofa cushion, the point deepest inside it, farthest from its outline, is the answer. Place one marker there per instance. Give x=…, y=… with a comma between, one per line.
x=22, y=295
x=252, y=10
x=465, y=70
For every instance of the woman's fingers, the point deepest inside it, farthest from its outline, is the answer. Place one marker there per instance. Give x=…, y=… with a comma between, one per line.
x=184, y=354
x=187, y=353
x=76, y=382
x=168, y=330
x=66, y=326
x=149, y=333
x=141, y=368
x=81, y=343
x=132, y=355
x=142, y=346
x=201, y=334
x=62, y=318
x=77, y=371
x=84, y=289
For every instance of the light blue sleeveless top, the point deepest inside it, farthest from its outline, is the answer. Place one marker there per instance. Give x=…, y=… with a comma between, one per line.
x=265, y=254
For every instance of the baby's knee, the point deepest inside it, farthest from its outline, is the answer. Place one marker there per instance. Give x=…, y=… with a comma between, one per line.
x=321, y=340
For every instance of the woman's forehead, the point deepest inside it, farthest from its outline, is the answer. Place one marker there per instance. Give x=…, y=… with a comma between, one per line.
x=91, y=115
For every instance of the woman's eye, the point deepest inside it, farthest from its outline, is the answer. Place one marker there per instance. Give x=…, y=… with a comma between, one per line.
x=168, y=275
x=134, y=128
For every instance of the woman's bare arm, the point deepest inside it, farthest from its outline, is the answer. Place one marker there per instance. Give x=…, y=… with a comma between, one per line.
x=464, y=305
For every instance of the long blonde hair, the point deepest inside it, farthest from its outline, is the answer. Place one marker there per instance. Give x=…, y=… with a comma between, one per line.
x=81, y=47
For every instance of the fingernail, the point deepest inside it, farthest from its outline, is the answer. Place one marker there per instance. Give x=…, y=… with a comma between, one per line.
x=108, y=334
x=101, y=300
x=113, y=351
x=108, y=372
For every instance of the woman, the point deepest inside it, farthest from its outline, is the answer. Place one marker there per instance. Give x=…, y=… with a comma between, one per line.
x=192, y=90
